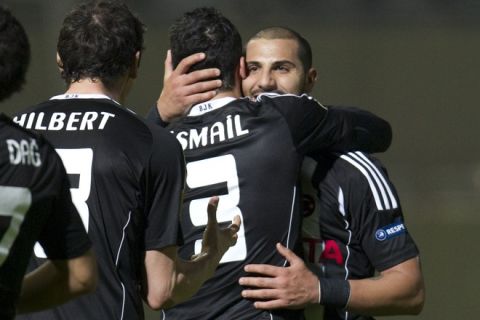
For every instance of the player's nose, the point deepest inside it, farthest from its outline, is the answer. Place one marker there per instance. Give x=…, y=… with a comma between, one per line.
x=267, y=82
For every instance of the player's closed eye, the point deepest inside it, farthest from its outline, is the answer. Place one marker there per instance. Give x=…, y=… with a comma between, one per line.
x=282, y=68
x=252, y=68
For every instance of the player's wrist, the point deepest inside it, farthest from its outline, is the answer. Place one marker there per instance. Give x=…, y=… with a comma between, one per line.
x=333, y=292
x=164, y=116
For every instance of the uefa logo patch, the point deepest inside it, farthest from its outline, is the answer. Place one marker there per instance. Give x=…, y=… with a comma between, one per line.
x=390, y=231
x=380, y=235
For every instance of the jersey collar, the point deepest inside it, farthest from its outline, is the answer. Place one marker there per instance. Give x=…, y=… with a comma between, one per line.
x=208, y=106
x=67, y=96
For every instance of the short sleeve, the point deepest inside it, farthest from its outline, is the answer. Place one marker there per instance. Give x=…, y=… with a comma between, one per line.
x=377, y=215
x=165, y=178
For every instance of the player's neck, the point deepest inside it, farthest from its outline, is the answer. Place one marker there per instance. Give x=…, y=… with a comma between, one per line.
x=235, y=93
x=93, y=86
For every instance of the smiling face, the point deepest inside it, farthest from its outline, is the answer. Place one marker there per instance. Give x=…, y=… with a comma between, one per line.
x=274, y=65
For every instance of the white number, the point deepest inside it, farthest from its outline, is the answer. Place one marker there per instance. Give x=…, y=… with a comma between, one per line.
x=207, y=172
x=14, y=203
x=78, y=162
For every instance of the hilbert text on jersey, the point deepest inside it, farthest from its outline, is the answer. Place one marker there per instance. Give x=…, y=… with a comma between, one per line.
x=74, y=121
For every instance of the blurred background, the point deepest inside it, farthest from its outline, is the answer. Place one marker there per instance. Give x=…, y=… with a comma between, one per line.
x=413, y=62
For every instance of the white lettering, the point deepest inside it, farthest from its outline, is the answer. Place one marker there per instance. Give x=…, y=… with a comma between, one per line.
x=395, y=229
x=182, y=138
x=105, y=118
x=74, y=121
x=238, y=126
x=87, y=121
x=24, y=152
x=38, y=123
x=218, y=132
x=31, y=117
x=229, y=127
x=198, y=138
x=73, y=118
x=13, y=150
x=56, y=121
x=20, y=121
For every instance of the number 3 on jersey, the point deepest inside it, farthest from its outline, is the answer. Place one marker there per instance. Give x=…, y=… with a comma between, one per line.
x=211, y=171
x=77, y=162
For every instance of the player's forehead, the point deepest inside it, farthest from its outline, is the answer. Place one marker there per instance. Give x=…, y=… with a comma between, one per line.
x=268, y=51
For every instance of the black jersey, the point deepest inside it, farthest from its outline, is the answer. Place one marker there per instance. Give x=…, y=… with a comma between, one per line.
x=35, y=204
x=249, y=153
x=127, y=181
x=360, y=222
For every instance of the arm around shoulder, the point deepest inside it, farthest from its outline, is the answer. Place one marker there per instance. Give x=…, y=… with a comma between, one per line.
x=370, y=133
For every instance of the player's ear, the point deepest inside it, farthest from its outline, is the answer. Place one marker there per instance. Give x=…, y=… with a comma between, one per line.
x=136, y=64
x=242, y=69
x=311, y=78
x=59, y=63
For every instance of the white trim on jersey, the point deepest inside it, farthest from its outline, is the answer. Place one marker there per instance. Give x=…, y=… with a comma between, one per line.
x=341, y=208
x=280, y=94
x=378, y=183
x=370, y=182
x=123, y=237
x=208, y=106
x=67, y=96
x=290, y=222
x=380, y=175
x=341, y=202
x=375, y=177
x=116, y=261
x=277, y=94
x=123, y=300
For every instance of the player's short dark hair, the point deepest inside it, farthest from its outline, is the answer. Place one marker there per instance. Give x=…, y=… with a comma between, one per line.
x=14, y=54
x=99, y=39
x=304, y=48
x=207, y=30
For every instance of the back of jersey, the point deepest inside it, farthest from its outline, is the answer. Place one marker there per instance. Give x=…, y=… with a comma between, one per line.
x=248, y=153
x=108, y=153
x=35, y=204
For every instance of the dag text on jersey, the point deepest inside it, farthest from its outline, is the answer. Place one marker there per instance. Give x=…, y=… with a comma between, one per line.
x=74, y=121
x=24, y=152
x=217, y=132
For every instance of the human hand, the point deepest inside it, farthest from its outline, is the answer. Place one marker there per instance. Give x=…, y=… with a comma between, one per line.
x=182, y=89
x=291, y=287
x=216, y=240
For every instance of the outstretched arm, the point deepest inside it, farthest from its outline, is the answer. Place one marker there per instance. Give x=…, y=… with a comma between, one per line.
x=170, y=280
x=398, y=290
x=182, y=89
x=56, y=282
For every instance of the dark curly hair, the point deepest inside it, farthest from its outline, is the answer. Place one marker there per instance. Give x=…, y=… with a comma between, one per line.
x=14, y=54
x=207, y=30
x=99, y=39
